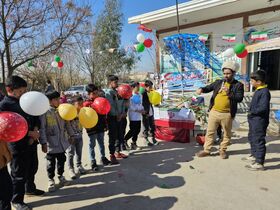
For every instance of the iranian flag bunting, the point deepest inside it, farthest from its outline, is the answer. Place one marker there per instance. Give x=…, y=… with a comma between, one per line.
x=203, y=37
x=229, y=37
x=259, y=35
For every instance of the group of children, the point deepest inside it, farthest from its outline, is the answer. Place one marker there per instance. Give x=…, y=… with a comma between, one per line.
x=60, y=138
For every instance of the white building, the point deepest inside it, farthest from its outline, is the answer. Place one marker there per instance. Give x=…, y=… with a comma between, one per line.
x=220, y=17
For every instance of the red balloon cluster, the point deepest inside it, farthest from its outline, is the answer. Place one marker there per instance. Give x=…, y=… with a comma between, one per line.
x=60, y=64
x=101, y=106
x=125, y=91
x=13, y=127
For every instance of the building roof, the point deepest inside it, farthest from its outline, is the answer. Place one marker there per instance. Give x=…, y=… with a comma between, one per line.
x=198, y=10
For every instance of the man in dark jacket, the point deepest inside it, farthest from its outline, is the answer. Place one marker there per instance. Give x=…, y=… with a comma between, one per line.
x=223, y=107
x=148, y=116
x=20, y=150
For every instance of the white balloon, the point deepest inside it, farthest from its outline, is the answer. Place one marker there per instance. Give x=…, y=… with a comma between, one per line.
x=54, y=64
x=87, y=51
x=229, y=52
x=34, y=103
x=140, y=38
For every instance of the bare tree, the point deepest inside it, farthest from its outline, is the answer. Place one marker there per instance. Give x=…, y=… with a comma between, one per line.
x=26, y=24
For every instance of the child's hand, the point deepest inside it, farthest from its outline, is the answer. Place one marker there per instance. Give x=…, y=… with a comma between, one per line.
x=34, y=135
x=71, y=140
x=44, y=148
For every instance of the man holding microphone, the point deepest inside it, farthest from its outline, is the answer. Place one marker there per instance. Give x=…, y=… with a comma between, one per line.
x=227, y=92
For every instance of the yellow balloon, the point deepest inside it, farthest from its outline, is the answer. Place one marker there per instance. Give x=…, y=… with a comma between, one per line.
x=88, y=117
x=154, y=97
x=67, y=111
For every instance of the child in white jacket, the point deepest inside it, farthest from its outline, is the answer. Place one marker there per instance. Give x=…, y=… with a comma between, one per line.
x=135, y=116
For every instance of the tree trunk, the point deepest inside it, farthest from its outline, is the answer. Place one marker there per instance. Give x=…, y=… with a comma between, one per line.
x=3, y=67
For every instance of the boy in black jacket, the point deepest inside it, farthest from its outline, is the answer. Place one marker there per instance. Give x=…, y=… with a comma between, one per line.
x=20, y=150
x=97, y=132
x=258, y=118
x=148, y=116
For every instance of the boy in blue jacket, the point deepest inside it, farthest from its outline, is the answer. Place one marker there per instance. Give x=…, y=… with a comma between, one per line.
x=258, y=118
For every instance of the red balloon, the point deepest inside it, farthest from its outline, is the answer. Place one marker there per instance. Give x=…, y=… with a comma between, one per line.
x=148, y=43
x=87, y=104
x=142, y=85
x=243, y=54
x=60, y=64
x=101, y=105
x=13, y=127
x=125, y=91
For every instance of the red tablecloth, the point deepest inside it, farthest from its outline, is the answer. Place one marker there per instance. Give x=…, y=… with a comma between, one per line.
x=169, y=130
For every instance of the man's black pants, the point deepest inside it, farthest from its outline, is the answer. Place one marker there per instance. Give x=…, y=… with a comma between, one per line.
x=149, y=126
x=134, y=130
x=121, y=133
x=32, y=168
x=19, y=167
x=113, y=133
x=6, y=189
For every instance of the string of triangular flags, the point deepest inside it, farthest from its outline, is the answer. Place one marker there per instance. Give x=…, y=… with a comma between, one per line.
x=254, y=36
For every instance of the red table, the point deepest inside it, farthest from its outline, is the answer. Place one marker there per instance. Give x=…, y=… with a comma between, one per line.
x=174, y=130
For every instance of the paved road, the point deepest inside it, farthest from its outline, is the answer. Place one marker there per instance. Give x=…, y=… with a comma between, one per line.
x=168, y=176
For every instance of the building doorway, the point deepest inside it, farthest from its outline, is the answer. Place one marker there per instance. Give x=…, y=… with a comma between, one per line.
x=269, y=61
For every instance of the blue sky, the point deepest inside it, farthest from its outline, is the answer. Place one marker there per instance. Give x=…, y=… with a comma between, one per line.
x=132, y=8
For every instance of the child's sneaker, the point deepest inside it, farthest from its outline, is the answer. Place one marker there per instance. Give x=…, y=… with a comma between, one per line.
x=113, y=160
x=155, y=142
x=94, y=166
x=72, y=174
x=81, y=170
x=120, y=155
x=255, y=167
x=105, y=161
x=51, y=185
x=250, y=159
x=62, y=181
x=149, y=143
x=134, y=146
x=126, y=145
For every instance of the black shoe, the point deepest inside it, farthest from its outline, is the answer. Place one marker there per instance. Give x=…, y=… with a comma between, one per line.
x=124, y=148
x=126, y=145
x=20, y=206
x=105, y=161
x=36, y=192
x=94, y=166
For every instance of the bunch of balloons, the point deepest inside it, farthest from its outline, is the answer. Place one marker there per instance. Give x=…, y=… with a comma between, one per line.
x=143, y=43
x=13, y=127
x=142, y=88
x=57, y=63
x=125, y=91
x=87, y=115
x=239, y=50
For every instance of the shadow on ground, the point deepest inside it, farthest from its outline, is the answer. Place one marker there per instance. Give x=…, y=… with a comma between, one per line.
x=134, y=175
x=133, y=202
